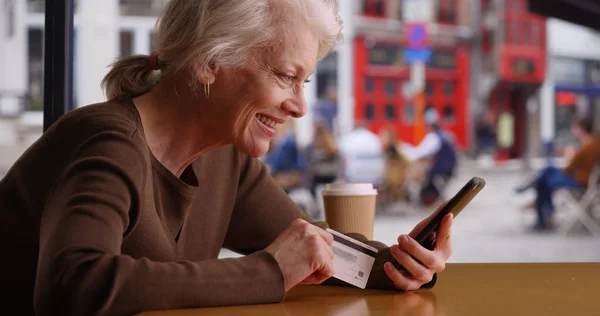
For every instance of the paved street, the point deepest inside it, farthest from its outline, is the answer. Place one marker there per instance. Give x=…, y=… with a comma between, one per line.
x=494, y=229
x=491, y=229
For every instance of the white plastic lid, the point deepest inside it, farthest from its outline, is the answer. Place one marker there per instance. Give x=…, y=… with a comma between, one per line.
x=343, y=189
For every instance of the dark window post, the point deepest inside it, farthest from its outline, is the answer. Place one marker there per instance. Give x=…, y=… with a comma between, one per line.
x=58, y=60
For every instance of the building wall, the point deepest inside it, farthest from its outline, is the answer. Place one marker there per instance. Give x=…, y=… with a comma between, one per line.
x=97, y=45
x=571, y=40
x=13, y=57
x=564, y=40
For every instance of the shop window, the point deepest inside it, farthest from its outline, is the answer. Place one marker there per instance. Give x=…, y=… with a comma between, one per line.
x=126, y=43
x=369, y=85
x=35, y=65
x=373, y=8
x=369, y=112
x=449, y=88
x=390, y=112
x=390, y=87
x=429, y=89
x=447, y=12
x=448, y=112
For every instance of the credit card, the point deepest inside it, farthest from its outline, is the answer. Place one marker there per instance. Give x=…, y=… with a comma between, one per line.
x=353, y=260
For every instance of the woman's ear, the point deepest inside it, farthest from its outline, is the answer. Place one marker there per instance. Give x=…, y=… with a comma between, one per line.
x=206, y=73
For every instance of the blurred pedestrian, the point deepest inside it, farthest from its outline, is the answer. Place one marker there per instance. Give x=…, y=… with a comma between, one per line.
x=323, y=158
x=439, y=150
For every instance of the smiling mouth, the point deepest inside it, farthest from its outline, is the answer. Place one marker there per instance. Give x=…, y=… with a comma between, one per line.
x=267, y=121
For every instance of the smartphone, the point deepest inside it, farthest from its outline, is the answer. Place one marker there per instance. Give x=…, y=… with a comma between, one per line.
x=427, y=236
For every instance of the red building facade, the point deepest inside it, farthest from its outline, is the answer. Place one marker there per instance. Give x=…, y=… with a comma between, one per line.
x=383, y=100
x=516, y=51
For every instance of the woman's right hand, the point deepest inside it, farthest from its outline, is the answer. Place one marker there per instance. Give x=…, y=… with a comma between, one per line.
x=303, y=252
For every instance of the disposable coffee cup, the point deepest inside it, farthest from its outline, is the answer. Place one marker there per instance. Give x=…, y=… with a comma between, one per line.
x=350, y=207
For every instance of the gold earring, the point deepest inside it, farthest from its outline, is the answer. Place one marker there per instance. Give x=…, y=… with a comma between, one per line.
x=207, y=89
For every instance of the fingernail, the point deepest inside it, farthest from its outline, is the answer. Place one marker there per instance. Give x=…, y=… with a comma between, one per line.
x=388, y=267
x=404, y=239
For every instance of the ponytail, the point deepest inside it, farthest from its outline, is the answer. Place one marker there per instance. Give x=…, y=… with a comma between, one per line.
x=130, y=75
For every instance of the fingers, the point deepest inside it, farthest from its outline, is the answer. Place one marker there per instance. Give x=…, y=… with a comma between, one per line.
x=327, y=237
x=417, y=270
x=426, y=220
x=443, y=239
x=325, y=269
x=401, y=281
x=429, y=259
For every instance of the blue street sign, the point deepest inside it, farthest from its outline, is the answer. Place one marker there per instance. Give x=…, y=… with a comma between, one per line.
x=416, y=36
x=416, y=55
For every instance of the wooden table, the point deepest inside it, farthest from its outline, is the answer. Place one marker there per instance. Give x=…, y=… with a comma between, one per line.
x=463, y=289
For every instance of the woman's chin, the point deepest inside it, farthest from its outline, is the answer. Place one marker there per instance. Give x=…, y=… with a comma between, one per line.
x=255, y=149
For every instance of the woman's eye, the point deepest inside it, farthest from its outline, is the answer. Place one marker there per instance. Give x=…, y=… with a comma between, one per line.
x=287, y=78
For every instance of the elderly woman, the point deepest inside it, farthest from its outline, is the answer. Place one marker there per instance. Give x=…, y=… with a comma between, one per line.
x=123, y=206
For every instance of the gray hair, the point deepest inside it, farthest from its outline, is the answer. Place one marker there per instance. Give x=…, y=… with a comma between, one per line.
x=229, y=33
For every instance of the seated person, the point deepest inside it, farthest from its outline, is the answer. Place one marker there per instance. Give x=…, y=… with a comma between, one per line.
x=574, y=175
x=285, y=163
x=324, y=164
x=396, y=166
x=123, y=206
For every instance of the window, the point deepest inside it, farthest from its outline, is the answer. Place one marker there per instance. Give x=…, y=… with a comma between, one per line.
x=141, y=7
x=447, y=12
x=448, y=113
x=370, y=112
x=390, y=87
x=390, y=112
x=429, y=88
x=409, y=113
x=449, y=88
x=35, y=88
x=373, y=8
x=126, y=43
x=369, y=85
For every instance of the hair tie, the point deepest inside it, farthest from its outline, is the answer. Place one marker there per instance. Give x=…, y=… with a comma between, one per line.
x=154, y=61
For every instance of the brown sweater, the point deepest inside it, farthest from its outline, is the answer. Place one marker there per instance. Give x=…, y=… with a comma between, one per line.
x=92, y=223
x=584, y=160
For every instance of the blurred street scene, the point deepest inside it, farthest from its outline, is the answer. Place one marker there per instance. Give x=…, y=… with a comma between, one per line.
x=421, y=96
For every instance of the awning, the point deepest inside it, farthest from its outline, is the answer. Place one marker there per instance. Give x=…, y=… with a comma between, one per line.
x=581, y=12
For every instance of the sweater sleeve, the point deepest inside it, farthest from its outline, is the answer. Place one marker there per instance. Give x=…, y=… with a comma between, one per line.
x=262, y=210
x=81, y=270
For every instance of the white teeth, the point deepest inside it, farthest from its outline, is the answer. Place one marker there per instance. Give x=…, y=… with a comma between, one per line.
x=267, y=121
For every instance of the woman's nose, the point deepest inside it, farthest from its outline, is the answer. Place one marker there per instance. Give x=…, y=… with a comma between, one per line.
x=297, y=107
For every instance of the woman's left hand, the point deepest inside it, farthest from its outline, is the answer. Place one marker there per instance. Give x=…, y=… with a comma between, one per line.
x=433, y=261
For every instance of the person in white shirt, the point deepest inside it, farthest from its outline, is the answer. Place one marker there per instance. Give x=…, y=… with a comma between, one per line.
x=362, y=155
